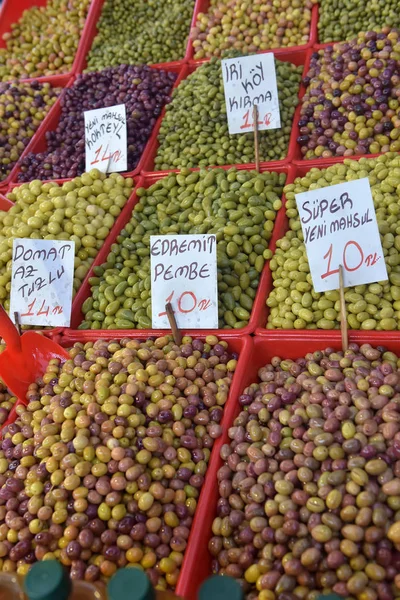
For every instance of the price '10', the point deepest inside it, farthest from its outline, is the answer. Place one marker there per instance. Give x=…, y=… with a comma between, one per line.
x=350, y=265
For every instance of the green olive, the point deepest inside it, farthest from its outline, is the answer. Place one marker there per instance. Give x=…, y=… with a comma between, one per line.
x=194, y=131
x=222, y=202
x=293, y=303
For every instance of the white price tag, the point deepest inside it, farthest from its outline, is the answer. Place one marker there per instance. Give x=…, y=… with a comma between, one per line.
x=250, y=80
x=41, y=284
x=340, y=228
x=105, y=139
x=184, y=273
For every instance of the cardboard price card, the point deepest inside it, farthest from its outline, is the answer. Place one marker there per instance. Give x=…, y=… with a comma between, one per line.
x=250, y=80
x=105, y=139
x=184, y=273
x=41, y=283
x=340, y=228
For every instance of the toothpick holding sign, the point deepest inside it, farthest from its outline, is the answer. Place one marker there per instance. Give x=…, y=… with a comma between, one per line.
x=106, y=139
x=343, y=312
x=340, y=228
x=41, y=282
x=250, y=81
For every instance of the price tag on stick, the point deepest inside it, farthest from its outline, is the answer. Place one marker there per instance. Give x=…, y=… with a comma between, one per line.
x=184, y=274
x=249, y=81
x=340, y=228
x=41, y=284
x=105, y=139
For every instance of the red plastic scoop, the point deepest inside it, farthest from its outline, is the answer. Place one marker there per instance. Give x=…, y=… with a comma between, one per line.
x=25, y=357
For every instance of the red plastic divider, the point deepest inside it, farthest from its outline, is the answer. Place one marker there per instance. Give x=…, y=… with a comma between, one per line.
x=57, y=81
x=298, y=59
x=39, y=141
x=92, y=31
x=197, y=561
x=259, y=301
x=11, y=11
x=202, y=6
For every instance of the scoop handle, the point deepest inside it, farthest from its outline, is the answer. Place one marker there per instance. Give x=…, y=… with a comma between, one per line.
x=9, y=333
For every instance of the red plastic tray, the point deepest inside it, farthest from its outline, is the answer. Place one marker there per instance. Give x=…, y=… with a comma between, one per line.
x=92, y=32
x=56, y=81
x=241, y=344
x=39, y=141
x=120, y=222
x=11, y=11
x=259, y=301
x=197, y=562
x=282, y=225
x=298, y=59
x=202, y=6
x=297, y=156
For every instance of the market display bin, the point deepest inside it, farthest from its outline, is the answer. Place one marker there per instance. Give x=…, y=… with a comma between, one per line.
x=123, y=217
x=259, y=301
x=92, y=31
x=240, y=344
x=57, y=81
x=299, y=59
x=282, y=225
x=197, y=565
x=296, y=154
x=11, y=11
x=202, y=6
x=39, y=141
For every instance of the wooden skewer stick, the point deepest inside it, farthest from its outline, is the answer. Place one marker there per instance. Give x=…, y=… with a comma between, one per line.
x=343, y=314
x=172, y=322
x=17, y=323
x=256, y=146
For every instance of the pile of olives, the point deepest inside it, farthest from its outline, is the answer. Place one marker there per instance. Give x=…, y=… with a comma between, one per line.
x=251, y=26
x=82, y=210
x=141, y=33
x=309, y=493
x=343, y=19
x=143, y=92
x=293, y=302
x=351, y=105
x=44, y=40
x=104, y=467
x=239, y=207
x=194, y=131
x=23, y=106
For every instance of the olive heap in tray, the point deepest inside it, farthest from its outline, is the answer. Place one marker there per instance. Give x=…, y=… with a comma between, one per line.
x=309, y=493
x=104, y=466
x=239, y=207
x=293, y=302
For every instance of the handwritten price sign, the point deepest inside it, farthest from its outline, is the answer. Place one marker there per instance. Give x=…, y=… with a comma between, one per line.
x=41, y=284
x=250, y=80
x=184, y=273
x=105, y=139
x=339, y=227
